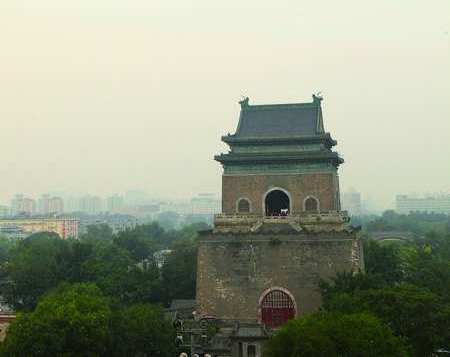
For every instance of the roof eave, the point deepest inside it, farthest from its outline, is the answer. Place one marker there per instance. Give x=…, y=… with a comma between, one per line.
x=326, y=137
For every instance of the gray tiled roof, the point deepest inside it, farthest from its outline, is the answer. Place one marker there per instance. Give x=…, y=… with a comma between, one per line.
x=280, y=120
x=182, y=304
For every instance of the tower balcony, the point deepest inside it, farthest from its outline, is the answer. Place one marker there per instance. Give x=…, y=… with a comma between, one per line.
x=306, y=221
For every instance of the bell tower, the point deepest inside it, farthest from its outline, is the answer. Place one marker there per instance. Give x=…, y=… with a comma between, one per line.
x=281, y=229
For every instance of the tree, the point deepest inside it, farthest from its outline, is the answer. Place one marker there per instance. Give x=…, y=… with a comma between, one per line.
x=97, y=233
x=70, y=321
x=428, y=265
x=334, y=334
x=38, y=263
x=415, y=314
x=179, y=272
x=141, y=330
x=382, y=259
x=6, y=248
x=348, y=282
x=107, y=267
x=141, y=284
x=139, y=247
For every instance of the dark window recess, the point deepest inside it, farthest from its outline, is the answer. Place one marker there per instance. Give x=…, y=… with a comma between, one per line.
x=251, y=351
x=311, y=204
x=243, y=206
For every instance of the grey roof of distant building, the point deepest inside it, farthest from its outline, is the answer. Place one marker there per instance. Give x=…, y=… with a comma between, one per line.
x=253, y=331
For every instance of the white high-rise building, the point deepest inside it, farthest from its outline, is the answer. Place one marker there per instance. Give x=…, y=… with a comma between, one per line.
x=431, y=204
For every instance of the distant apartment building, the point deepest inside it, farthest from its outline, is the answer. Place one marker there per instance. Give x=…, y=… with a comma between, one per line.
x=136, y=197
x=91, y=204
x=56, y=205
x=181, y=208
x=4, y=211
x=50, y=205
x=117, y=222
x=71, y=204
x=431, y=204
x=21, y=205
x=351, y=202
x=115, y=203
x=23, y=227
x=160, y=257
x=205, y=204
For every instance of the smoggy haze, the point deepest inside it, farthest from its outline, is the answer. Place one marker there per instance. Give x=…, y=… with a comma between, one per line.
x=105, y=96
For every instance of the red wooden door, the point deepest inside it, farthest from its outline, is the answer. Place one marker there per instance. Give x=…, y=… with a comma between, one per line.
x=277, y=308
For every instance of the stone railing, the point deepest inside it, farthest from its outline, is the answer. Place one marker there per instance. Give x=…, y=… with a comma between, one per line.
x=313, y=217
x=312, y=221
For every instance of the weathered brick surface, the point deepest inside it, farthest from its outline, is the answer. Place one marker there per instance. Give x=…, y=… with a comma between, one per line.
x=233, y=271
x=323, y=186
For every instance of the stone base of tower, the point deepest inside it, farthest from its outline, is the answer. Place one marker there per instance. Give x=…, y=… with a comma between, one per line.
x=244, y=259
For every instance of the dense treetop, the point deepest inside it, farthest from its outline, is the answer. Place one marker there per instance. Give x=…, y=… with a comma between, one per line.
x=106, y=283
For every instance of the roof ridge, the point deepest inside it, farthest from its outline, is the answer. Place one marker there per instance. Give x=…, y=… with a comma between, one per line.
x=280, y=106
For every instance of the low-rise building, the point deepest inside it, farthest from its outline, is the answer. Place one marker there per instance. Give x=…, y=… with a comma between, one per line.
x=23, y=227
x=5, y=320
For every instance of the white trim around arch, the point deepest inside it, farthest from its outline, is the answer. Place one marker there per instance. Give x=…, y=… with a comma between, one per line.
x=276, y=189
x=313, y=197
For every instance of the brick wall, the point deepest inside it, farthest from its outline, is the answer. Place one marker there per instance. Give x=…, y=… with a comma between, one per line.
x=233, y=271
x=323, y=186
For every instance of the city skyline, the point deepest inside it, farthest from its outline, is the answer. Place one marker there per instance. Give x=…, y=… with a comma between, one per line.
x=105, y=113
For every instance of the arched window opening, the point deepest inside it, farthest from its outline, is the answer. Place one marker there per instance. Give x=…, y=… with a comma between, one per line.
x=277, y=203
x=311, y=204
x=277, y=308
x=243, y=205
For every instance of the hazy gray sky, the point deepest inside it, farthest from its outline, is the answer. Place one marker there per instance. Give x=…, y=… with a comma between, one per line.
x=102, y=96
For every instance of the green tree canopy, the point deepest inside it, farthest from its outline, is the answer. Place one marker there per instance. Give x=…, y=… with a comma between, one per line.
x=141, y=330
x=79, y=320
x=97, y=233
x=37, y=264
x=179, y=273
x=415, y=314
x=70, y=321
x=334, y=334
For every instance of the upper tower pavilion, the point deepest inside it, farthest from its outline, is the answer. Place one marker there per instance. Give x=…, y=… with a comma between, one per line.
x=280, y=161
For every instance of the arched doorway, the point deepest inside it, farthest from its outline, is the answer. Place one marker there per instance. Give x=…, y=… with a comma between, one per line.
x=277, y=203
x=277, y=307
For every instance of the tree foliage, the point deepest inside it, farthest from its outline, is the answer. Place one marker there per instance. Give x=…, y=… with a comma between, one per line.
x=121, y=266
x=406, y=286
x=79, y=320
x=334, y=334
x=141, y=330
x=37, y=264
x=179, y=272
x=71, y=321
